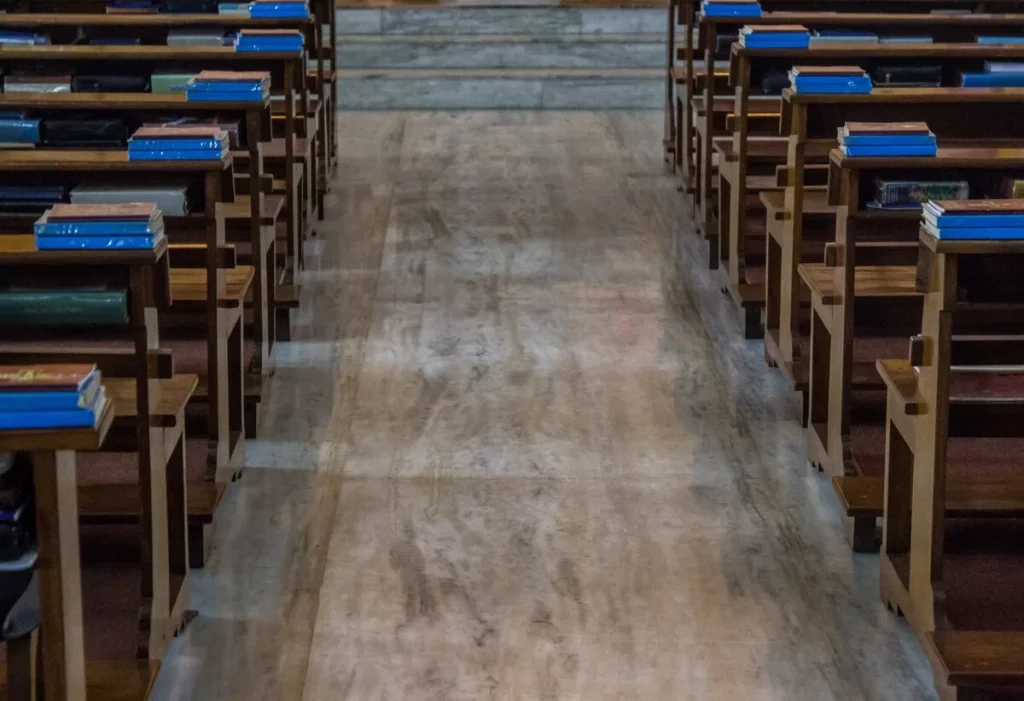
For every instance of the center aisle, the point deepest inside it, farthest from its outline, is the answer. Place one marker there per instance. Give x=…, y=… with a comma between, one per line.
x=515, y=464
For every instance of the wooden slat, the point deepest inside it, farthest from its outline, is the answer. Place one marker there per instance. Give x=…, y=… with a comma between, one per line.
x=980, y=658
x=120, y=502
x=189, y=284
x=165, y=403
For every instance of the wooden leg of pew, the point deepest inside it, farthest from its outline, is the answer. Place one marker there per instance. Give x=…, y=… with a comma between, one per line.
x=862, y=533
x=23, y=668
x=283, y=316
x=200, y=538
x=752, y=327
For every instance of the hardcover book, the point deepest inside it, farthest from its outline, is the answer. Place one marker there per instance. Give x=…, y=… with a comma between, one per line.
x=72, y=377
x=842, y=71
x=1013, y=188
x=885, y=128
x=896, y=192
x=971, y=207
x=75, y=418
x=98, y=243
x=888, y=151
x=129, y=211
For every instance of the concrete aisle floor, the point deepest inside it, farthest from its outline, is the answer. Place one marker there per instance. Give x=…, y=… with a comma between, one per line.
x=516, y=454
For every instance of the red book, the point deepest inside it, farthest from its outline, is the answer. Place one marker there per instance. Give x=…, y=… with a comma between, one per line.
x=978, y=206
x=45, y=378
x=828, y=70
x=129, y=211
x=905, y=128
x=233, y=76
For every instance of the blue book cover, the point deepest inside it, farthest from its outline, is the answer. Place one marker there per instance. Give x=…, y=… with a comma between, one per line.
x=795, y=41
x=250, y=45
x=1000, y=40
x=172, y=155
x=992, y=80
x=887, y=140
x=888, y=151
x=96, y=243
x=977, y=221
x=181, y=144
x=211, y=96
x=732, y=10
x=95, y=228
x=19, y=131
x=232, y=85
x=40, y=401
x=832, y=86
x=981, y=234
x=29, y=420
x=279, y=11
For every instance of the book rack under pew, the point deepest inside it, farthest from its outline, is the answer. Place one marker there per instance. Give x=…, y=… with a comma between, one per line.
x=744, y=163
x=954, y=478
x=287, y=75
x=135, y=574
x=864, y=303
x=245, y=219
x=203, y=327
x=811, y=123
x=685, y=80
x=61, y=669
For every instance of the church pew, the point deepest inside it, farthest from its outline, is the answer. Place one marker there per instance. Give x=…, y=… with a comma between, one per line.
x=287, y=73
x=811, y=121
x=747, y=67
x=683, y=19
x=944, y=28
x=203, y=325
x=861, y=308
x=147, y=405
x=954, y=478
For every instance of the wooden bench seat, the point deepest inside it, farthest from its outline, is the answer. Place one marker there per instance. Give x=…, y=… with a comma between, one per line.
x=166, y=403
x=238, y=211
x=189, y=285
x=989, y=659
x=815, y=202
x=870, y=281
x=864, y=495
x=119, y=503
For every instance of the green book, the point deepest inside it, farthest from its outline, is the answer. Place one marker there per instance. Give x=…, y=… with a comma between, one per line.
x=169, y=82
x=56, y=307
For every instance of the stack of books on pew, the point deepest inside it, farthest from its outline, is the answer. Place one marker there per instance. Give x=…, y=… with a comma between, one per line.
x=17, y=130
x=998, y=74
x=229, y=86
x=135, y=226
x=275, y=40
x=887, y=139
x=778, y=36
x=974, y=220
x=233, y=9
x=828, y=37
x=11, y=38
x=731, y=8
x=171, y=143
x=999, y=40
x=192, y=36
x=132, y=7
x=50, y=397
x=830, y=80
x=37, y=83
x=30, y=199
x=279, y=9
x=912, y=194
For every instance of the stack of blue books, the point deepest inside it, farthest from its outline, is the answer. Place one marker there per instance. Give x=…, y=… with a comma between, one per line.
x=998, y=74
x=974, y=220
x=50, y=396
x=279, y=9
x=830, y=80
x=886, y=139
x=100, y=227
x=731, y=8
x=777, y=36
x=208, y=143
x=12, y=38
x=271, y=40
x=1000, y=40
x=228, y=86
x=17, y=130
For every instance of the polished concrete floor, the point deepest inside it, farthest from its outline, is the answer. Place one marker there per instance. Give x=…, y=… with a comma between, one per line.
x=519, y=451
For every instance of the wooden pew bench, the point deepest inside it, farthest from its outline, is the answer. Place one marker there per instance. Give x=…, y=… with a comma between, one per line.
x=957, y=115
x=861, y=312
x=954, y=478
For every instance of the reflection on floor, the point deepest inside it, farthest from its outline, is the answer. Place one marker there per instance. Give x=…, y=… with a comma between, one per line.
x=516, y=454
